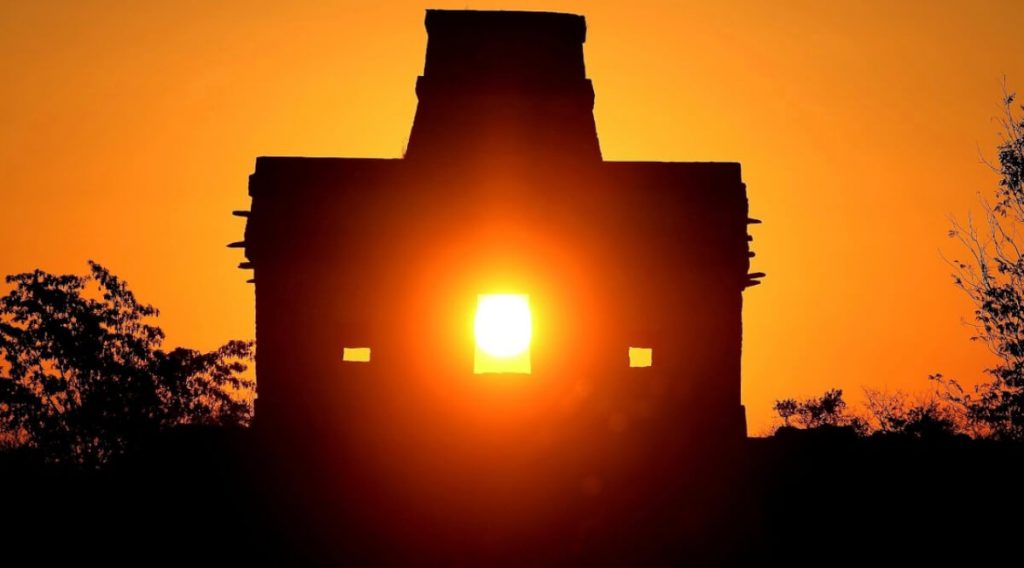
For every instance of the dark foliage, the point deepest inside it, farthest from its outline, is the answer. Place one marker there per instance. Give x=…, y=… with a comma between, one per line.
x=893, y=413
x=827, y=410
x=993, y=278
x=82, y=374
x=887, y=414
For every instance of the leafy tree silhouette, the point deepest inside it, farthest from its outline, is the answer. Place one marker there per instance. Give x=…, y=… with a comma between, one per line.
x=83, y=377
x=993, y=278
x=893, y=413
x=887, y=413
x=827, y=410
x=786, y=409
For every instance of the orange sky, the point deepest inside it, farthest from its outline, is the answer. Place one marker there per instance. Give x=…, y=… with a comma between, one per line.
x=129, y=130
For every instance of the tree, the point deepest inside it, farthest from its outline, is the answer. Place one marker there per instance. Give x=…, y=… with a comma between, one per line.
x=993, y=278
x=82, y=374
x=892, y=413
x=827, y=410
x=786, y=409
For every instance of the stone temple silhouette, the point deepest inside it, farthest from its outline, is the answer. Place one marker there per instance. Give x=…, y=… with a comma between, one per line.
x=502, y=189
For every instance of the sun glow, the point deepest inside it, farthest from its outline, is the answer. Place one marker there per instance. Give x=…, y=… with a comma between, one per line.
x=503, y=328
x=502, y=324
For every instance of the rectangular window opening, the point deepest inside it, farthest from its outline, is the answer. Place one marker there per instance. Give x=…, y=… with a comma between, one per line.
x=356, y=354
x=641, y=356
x=502, y=328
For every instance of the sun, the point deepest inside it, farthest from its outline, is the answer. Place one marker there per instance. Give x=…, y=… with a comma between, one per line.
x=503, y=325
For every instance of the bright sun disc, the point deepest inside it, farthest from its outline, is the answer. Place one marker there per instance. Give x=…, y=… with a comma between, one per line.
x=502, y=326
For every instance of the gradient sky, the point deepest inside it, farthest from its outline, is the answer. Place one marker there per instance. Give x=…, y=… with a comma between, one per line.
x=129, y=130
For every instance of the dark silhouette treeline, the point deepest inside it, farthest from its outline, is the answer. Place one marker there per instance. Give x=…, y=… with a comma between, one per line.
x=84, y=377
x=182, y=478
x=892, y=414
x=812, y=497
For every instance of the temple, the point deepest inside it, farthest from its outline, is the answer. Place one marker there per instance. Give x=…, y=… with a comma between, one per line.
x=502, y=189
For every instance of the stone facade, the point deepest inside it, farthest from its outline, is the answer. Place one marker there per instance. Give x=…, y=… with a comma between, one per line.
x=503, y=188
